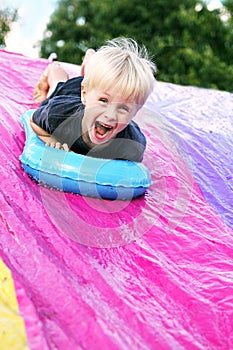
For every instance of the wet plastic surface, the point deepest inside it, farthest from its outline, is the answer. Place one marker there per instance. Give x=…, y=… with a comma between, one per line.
x=152, y=273
x=12, y=329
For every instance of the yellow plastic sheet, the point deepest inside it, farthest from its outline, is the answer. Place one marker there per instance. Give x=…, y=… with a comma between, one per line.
x=12, y=329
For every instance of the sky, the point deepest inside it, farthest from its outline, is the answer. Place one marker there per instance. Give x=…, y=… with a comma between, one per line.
x=33, y=17
x=28, y=30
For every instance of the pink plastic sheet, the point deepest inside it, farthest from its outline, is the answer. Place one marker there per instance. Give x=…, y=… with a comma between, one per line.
x=152, y=273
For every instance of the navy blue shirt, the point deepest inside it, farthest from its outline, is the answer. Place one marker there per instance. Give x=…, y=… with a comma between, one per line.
x=61, y=116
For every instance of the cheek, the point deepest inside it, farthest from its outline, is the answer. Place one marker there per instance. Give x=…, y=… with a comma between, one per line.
x=93, y=109
x=122, y=123
x=91, y=116
x=125, y=120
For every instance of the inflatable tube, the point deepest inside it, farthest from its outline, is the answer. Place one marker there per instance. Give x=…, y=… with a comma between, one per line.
x=72, y=172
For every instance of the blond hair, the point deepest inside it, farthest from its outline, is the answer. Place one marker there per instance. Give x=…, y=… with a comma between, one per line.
x=121, y=64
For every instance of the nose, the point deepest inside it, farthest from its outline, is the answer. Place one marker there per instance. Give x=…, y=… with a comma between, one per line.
x=111, y=112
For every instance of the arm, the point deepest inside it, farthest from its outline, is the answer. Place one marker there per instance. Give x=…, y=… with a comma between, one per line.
x=41, y=133
x=47, y=138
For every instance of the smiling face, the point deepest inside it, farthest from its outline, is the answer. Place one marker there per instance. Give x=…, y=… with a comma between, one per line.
x=106, y=114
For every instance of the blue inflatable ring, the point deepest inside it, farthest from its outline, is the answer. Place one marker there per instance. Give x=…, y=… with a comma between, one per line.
x=76, y=173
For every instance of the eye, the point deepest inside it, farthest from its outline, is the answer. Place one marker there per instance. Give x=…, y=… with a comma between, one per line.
x=103, y=100
x=124, y=108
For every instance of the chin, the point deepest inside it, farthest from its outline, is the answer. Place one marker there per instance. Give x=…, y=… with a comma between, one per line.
x=97, y=142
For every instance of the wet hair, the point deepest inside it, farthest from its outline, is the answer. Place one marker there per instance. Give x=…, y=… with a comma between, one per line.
x=121, y=64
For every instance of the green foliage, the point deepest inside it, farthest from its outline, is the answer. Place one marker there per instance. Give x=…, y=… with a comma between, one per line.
x=189, y=44
x=7, y=16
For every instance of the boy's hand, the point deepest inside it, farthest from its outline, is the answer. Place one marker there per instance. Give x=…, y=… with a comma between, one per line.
x=58, y=145
x=47, y=138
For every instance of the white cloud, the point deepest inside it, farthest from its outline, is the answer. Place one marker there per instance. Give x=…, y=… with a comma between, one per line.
x=28, y=30
x=214, y=4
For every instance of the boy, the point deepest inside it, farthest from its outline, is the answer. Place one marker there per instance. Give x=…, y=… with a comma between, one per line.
x=92, y=115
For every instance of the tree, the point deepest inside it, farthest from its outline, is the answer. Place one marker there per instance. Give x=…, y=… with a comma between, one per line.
x=7, y=16
x=189, y=44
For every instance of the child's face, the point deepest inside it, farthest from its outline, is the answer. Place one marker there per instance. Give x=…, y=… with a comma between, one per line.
x=106, y=114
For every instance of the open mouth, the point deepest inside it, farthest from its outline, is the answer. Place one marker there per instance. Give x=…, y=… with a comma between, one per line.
x=102, y=129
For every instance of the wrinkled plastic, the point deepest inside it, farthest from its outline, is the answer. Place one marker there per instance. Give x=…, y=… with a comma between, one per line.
x=151, y=273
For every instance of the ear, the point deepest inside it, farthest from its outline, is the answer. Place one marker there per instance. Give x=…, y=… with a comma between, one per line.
x=83, y=94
